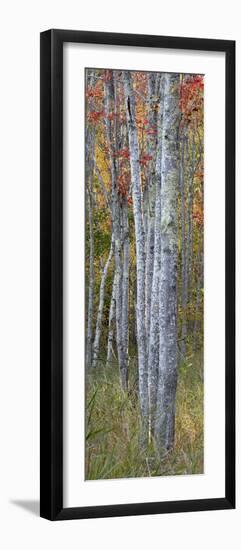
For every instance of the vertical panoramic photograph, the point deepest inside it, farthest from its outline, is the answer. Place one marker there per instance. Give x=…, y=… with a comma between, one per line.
x=144, y=274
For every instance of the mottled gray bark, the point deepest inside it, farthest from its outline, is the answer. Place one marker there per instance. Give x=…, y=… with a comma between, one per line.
x=150, y=191
x=116, y=223
x=199, y=286
x=183, y=253
x=90, y=149
x=125, y=290
x=153, y=347
x=149, y=272
x=111, y=326
x=200, y=273
x=167, y=375
x=154, y=97
x=192, y=162
x=96, y=345
x=91, y=280
x=90, y=130
x=140, y=249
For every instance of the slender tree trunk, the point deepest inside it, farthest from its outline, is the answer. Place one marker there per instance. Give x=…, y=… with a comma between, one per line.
x=184, y=261
x=90, y=153
x=199, y=285
x=149, y=273
x=200, y=281
x=91, y=280
x=167, y=379
x=112, y=314
x=140, y=250
x=153, y=93
x=153, y=348
x=96, y=346
x=189, y=261
x=125, y=290
x=116, y=225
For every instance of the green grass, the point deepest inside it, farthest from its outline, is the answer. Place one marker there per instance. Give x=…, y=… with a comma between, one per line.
x=112, y=426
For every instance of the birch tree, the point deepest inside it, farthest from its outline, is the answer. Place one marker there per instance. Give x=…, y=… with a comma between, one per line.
x=125, y=288
x=111, y=323
x=167, y=374
x=116, y=223
x=96, y=345
x=140, y=247
x=199, y=285
x=91, y=277
x=153, y=102
x=153, y=348
x=183, y=253
x=90, y=149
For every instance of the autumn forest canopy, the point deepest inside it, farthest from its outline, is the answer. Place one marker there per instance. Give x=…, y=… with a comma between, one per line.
x=144, y=273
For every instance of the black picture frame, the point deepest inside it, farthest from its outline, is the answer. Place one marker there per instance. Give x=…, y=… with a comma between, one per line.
x=51, y=323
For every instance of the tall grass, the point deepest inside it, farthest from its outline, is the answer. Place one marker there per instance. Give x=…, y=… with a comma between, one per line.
x=112, y=426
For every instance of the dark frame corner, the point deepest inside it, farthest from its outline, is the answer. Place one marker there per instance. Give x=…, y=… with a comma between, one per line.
x=51, y=319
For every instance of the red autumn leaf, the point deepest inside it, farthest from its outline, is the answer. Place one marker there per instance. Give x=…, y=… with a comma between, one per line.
x=123, y=153
x=94, y=116
x=145, y=159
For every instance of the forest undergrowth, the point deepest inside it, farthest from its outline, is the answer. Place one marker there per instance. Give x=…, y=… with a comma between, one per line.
x=113, y=425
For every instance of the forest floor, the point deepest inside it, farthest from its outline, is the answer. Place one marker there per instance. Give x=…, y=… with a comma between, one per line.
x=112, y=426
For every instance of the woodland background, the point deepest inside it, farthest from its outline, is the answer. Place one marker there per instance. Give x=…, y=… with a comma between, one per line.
x=129, y=130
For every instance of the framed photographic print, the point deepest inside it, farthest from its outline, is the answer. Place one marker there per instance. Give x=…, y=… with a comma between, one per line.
x=137, y=274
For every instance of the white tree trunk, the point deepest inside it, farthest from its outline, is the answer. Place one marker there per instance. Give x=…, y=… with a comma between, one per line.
x=149, y=272
x=153, y=348
x=116, y=223
x=125, y=290
x=153, y=94
x=189, y=255
x=184, y=259
x=96, y=346
x=199, y=285
x=91, y=281
x=112, y=314
x=90, y=154
x=167, y=376
x=140, y=249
